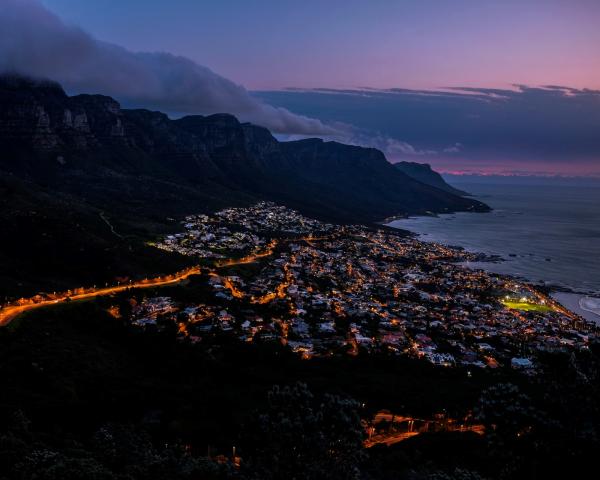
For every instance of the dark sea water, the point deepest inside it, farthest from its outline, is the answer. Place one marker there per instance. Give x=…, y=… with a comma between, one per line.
x=545, y=233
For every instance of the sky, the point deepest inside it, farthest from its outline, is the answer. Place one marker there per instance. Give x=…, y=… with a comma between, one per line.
x=465, y=85
x=516, y=131
x=270, y=44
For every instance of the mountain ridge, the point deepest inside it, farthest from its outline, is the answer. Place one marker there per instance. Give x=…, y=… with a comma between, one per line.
x=77, y=156
x=425, y=174
x=93, y=132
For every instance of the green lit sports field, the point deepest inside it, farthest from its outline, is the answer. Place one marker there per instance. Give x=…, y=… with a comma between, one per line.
x=527, y=307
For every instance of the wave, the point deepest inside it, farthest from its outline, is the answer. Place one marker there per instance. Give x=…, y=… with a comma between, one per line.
x=590, y=304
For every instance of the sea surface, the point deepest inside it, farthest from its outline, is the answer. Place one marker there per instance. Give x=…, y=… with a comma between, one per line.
x=544, y=233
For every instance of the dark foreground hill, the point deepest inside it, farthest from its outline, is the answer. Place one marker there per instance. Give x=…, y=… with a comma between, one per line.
x=86, y=396
x=84, y=182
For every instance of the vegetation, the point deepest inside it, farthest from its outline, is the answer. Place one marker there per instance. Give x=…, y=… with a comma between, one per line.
x=299, y=435
x=84, y=395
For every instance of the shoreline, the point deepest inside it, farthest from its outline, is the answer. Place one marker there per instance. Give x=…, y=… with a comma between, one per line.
x=567, y=296
x=572, y=301
x=550, y=245
x=590, y=304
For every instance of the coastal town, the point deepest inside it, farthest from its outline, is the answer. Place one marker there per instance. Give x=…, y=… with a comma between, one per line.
x=324, y=290
x=267, y=276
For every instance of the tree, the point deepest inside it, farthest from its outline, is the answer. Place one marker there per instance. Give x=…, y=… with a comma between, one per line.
x=44, y=464
x=511, y=421
x=506, y=412
x=302, y=437
x=457, y=474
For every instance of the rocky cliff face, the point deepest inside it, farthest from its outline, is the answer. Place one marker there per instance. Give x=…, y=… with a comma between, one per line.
x=87, y=145
x=40, y=116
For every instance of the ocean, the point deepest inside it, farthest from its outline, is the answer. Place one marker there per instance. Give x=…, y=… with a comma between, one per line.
x=546, y=234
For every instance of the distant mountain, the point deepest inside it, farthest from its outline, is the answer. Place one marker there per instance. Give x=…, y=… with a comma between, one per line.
x=425, y=174
x=74, y=170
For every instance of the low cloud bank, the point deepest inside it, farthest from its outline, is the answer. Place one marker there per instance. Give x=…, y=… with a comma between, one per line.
x=548, y=129
x=36, y=43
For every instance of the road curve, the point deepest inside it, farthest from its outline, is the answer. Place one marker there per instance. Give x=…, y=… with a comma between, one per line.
x=8, y=313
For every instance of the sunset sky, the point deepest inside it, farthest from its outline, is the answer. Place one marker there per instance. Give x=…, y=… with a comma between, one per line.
x=460, y=84
x=351, y=43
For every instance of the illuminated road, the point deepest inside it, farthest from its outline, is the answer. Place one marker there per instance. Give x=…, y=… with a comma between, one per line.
x=547, y=300
x=253, y=257
x=389, y=439
x=411, y=428
x=7, y=314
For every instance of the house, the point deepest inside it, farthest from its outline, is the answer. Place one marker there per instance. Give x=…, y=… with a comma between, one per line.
x=521, y=363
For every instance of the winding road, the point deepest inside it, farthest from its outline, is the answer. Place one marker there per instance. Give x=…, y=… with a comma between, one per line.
x=8, y=313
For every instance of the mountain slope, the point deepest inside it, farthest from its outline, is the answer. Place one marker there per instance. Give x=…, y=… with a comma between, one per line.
x=363, y=178
x=425, y=174
x=88, y=146
x=77, y=161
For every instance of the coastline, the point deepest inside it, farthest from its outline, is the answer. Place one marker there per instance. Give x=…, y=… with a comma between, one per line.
x=551, y=246
x=568, y=297
x=572, y=301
